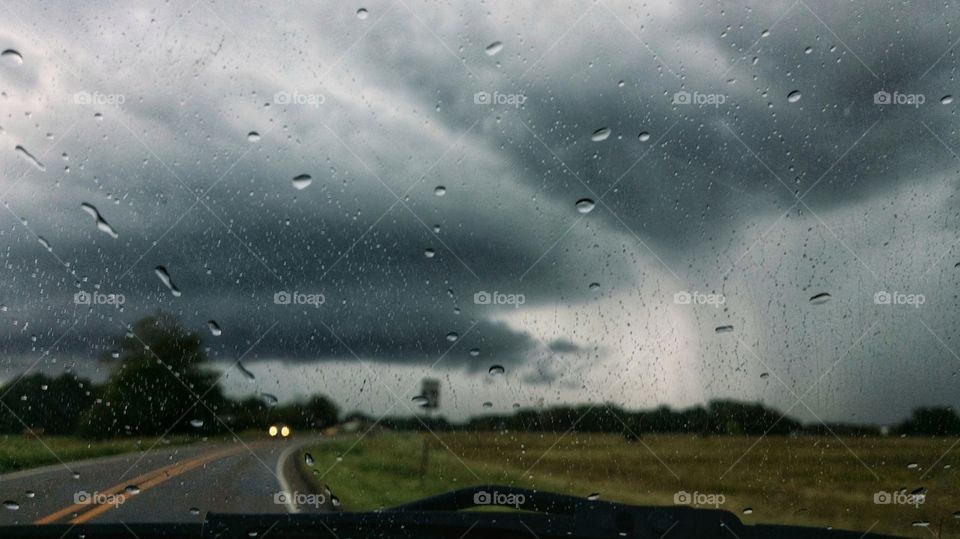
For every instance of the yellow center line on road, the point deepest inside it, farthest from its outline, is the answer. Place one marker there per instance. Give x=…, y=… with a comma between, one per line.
x=118, y=494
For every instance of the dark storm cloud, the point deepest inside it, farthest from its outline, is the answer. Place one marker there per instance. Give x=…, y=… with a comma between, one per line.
x=399, y=116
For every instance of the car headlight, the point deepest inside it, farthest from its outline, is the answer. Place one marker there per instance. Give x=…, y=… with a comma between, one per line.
x=285, y=431
x=272, y=430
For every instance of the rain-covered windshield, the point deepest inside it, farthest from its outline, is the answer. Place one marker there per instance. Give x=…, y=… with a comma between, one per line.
x=323, y=256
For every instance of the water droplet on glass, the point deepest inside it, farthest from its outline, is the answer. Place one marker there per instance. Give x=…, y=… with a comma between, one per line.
x=22, y=152
x=912, y=466
x=593, y=496
x=194, y=510
x=214, y=328
x=30, y=494
x=439, y=190
x=488, y=404
x=46, y=244
x=102, y=223
x=76, y=475
x=453, y=336
x=269, y=400
x=793, y=96
x=429, y=253
x=494, y=48
x=497, y=370
x=308, y=459
x=132, y=489
x=11, y=505
x=594, y=286
x=600, y=134
x=302, y=181
x=765, y=33
x=585, y=205
x=362, y=13
x=12, y=57
x=164, y=276
x=808, y=50
x=724, y=329
x=196, y=423
x=821, y=298
x=748, y=511
x=474, y=352
x=764, y=375
x=644, y=136
x=419, y=400
x=253, y=136
x=243, y=370
x=946, y=100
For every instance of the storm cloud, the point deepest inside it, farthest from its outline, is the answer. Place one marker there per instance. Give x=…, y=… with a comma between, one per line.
x=749, y=166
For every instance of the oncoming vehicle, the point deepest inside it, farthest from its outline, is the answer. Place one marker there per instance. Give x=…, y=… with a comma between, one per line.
x=279, y=431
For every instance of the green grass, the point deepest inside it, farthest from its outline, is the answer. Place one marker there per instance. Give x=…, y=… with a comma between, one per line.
x=813, y=481
x=18, y=452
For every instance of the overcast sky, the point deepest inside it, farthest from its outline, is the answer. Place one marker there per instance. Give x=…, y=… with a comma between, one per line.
x=736, y=154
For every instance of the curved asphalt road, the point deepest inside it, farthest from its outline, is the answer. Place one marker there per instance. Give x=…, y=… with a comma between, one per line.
x=178, y=484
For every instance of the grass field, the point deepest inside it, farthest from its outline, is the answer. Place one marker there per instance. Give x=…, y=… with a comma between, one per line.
x=813, y=481
x=19, y=452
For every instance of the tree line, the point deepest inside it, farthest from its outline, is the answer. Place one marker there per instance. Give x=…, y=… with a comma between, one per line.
x=160, y=385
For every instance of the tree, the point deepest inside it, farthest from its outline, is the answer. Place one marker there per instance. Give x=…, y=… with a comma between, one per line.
x=156, y=387
x=45, y=404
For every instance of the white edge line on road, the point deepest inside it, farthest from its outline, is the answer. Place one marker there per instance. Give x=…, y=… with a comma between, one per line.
x=284, y=485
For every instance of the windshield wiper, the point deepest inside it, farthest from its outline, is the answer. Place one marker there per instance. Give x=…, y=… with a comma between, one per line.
x=532, y=514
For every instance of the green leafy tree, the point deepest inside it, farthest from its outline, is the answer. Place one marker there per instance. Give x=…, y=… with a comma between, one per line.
x=44, y=404
x=155, y=388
